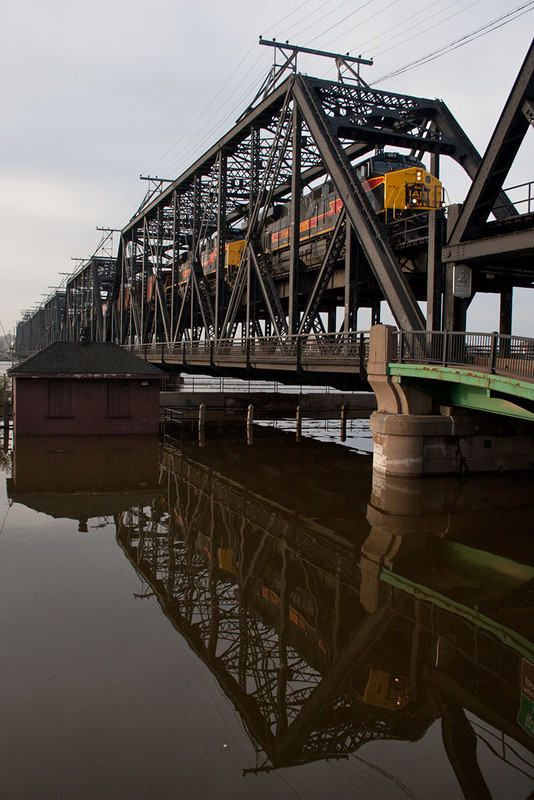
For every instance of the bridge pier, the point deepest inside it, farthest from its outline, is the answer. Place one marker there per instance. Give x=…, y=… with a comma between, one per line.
x=415, y=435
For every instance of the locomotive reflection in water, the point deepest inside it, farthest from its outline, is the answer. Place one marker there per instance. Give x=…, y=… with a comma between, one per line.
x=326, y=637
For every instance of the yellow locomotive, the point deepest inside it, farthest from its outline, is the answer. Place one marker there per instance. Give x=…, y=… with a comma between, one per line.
x=397, y=185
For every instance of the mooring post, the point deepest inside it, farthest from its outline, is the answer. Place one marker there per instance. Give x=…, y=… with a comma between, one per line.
x=343, y=432
x=201, y=415
x=250, y=424
x=299, y=423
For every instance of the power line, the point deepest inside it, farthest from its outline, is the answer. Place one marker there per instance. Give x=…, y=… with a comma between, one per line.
x=477, y=33
x=196, y=146
x=335, y=25
x=401, y=29
x=430, y=27
x=319, y=7
x=304, y=3
x=316, y=22
x=365, y=21
x=206, y=109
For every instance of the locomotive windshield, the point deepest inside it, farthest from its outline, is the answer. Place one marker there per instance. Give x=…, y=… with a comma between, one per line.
x=381, y=163
x=390, y=162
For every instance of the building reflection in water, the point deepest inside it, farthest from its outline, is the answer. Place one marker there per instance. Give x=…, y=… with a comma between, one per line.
x=84, y=477
x=330, y=619
x=327, y=635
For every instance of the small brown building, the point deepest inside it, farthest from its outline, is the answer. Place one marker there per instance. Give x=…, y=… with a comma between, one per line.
x=75, y=388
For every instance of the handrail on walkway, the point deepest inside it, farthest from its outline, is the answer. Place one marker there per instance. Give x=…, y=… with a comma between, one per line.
x=327, y=346
x=488, y=352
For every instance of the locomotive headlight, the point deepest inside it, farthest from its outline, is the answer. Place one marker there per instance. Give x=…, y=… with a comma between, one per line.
x=419, y=175
x=414, y=201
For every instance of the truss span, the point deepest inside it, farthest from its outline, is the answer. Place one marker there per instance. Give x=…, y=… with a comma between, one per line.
x=277, y=230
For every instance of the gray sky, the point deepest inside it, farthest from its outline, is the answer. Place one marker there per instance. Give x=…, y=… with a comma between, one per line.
x=93, y=95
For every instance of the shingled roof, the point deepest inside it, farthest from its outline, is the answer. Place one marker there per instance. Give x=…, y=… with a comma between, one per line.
x=104, y=359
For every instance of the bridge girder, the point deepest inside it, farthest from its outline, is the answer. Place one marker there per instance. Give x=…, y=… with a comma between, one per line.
x=259, y=163
x=492, y=250
x=498, y=158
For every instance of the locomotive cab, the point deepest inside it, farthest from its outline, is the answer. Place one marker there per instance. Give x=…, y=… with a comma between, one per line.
x=399, y=184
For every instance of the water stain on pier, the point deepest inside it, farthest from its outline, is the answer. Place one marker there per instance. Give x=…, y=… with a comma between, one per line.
x=260, y=621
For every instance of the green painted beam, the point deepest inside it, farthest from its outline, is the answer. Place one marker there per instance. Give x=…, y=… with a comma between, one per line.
x=509, y=637
x=481, y=391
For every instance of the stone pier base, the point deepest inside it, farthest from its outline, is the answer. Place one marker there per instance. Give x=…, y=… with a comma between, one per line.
x=414, y=435
x=450, y=443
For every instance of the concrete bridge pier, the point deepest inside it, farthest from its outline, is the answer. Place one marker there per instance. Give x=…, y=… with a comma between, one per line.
x=414, y=435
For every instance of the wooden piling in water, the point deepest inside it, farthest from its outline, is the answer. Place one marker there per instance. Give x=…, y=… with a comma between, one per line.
x=250, y=424
x=299, y=423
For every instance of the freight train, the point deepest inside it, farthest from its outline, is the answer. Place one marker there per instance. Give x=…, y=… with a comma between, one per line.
x=398, y=186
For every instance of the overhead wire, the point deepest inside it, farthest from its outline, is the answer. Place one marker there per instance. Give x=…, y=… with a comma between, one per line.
x=197, y=145
x=362, y=46
x=341, y=21
x=431, y=27
x=194, y=146
x=135, y=190
x=318, y=8
x=365, y=21
x=477, y=33
x=324, y=16
x=409, y=23
x=207, y=108
x=304, y=3
x=163, y=161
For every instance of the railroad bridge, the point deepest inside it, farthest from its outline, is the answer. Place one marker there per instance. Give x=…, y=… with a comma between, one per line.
x=261, y=255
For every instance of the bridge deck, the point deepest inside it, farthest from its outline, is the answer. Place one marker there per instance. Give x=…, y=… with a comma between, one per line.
x=488, y=372
x=294, y=356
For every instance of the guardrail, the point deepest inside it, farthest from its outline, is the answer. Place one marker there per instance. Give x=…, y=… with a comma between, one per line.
x=327, y=348
x=488, y=352
x=521, y=195
x=223, y=384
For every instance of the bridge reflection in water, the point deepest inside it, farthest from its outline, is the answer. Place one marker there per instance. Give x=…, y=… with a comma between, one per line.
x=331, y=619
x=264, y=580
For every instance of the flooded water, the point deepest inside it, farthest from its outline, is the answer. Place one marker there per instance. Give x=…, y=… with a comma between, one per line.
x=260, y=621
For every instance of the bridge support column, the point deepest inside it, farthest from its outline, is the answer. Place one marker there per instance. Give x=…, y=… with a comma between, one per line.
x=413, y=435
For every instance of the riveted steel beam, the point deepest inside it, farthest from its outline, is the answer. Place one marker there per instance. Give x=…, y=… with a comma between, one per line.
x=501, y=151
x=517, y=243
x=367, y=228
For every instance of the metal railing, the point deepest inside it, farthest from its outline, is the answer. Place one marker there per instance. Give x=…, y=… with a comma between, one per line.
x=487, y=352
x=522, y=196
x=328, y=347
x=224, y=384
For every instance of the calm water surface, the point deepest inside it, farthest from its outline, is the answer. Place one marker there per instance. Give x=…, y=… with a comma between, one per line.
x=260, y=621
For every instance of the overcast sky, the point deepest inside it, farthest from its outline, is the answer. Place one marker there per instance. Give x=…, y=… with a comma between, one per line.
x=95, y=94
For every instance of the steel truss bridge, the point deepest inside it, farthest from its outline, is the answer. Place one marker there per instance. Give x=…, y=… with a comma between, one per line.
x=303, y=132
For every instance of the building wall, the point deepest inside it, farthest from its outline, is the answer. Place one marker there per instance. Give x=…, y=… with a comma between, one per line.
x=80, y=406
